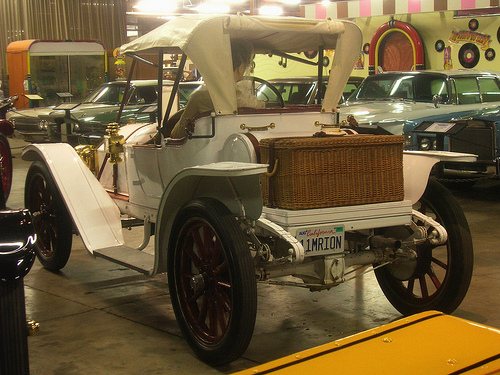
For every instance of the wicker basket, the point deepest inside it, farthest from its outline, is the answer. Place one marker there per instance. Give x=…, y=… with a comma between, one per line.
x=333, y=171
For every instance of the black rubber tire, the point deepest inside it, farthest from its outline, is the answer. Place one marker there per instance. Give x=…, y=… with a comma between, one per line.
x=53, y=224
x=457, y=184
x=443, y=273
x=213, y=291
x=5, y=167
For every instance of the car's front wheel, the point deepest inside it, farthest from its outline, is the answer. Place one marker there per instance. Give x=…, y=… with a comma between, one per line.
x=53, y=224
x=212, y=281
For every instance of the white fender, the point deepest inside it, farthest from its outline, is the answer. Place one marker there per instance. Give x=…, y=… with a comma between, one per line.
x=417, y=167
x=94, y=213
x=235, y=184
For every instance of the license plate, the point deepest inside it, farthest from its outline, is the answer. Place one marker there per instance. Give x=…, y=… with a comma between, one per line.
x=320, y=241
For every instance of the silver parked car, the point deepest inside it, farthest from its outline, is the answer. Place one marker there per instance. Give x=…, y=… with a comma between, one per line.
x=397, y=102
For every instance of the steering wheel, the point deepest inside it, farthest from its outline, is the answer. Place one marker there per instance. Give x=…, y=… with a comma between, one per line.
x=273, y=88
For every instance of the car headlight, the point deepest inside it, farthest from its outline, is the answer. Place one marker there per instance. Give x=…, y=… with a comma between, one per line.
x=425, y=144
x=408, y=143
x=42, y=124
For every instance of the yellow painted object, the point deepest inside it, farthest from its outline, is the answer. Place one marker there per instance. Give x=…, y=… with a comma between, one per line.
x=426, y=343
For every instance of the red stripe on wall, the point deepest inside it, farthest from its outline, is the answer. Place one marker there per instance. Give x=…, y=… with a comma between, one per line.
x=389, y=7
x=440, y=5
x=342, y=10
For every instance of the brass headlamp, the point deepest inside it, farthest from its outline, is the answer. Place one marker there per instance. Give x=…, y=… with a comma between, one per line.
x=115, y=142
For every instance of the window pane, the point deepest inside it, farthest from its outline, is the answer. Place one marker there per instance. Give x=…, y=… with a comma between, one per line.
x=467, y=90
x=489, y=89
x=86, y=72
x=49, y=75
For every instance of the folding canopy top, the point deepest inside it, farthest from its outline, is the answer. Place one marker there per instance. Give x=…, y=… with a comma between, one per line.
x=206, y=40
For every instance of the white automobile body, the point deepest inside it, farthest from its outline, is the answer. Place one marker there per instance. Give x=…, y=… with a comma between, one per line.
x=158, y=175
x=154, y=191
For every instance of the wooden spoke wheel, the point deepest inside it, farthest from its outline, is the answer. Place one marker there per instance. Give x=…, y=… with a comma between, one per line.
x=212, y=281
x=51, y=219
x=439, y=277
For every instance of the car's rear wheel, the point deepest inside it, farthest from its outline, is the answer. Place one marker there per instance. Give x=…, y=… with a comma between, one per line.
x=53, y=224
x=5, y=167
x=212, y=281
x=439, y=277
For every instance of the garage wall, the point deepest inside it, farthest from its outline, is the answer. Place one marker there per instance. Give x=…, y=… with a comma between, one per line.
x=433, y=19
x=435, y=26
x=103, y=20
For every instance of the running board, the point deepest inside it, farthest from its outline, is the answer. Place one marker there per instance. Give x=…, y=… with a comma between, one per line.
x=131, y=258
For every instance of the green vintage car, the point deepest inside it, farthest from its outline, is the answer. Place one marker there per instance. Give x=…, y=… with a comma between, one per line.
x=85, y=122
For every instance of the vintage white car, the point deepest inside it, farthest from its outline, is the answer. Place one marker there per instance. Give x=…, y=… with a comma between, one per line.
x=253, y=195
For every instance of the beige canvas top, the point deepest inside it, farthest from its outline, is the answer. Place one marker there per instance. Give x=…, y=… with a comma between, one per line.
x=206, y=41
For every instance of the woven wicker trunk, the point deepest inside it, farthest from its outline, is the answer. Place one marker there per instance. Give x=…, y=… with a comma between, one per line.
x=319, y=172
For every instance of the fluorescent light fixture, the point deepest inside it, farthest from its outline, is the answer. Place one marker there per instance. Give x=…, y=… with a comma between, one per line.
x=270, y=10
x=325, y=3
x=213, y=8
x=156, y=6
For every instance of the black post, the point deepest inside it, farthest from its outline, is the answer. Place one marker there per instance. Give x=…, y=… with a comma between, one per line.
x=17, y=240
x=13, y=331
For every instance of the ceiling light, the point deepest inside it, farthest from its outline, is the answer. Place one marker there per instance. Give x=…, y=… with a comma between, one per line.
x=156, y=6
x=270, y=10
x=213, y=8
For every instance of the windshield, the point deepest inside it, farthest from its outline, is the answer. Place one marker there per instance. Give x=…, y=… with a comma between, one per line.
x=185, y=91
x=419, y=88
x=106, y=94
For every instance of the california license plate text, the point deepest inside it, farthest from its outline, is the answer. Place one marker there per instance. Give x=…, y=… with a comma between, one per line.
x=322, y=241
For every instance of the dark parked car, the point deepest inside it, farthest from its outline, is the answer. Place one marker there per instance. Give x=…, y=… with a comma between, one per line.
x=301, y=90
x=478, y=134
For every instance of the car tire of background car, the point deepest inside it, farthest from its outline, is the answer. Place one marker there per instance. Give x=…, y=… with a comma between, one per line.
x=442, y=274
x=53, y=224
x=5, y=166
x=212, y=281
x=456, y=184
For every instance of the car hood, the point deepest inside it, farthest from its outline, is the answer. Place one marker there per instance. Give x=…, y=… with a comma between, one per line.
x=81, y=110
x=88, y=109
x=34, y=112
x=391, y=115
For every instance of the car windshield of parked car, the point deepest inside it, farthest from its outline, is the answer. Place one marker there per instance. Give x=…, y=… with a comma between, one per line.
x=185, y=91
x=419, y=88
x=143, y=95
x=106, y=94
x=292, y=93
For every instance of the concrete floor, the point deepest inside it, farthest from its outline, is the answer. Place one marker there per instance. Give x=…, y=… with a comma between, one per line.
x=100, y=318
